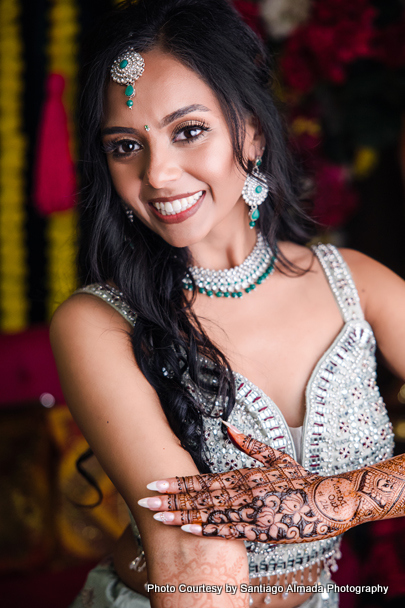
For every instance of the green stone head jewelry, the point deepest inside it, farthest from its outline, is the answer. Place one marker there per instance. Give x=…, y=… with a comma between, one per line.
x=125, y=70
x=255, y=191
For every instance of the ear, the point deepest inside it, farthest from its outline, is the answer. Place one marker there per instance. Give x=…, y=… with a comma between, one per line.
x=254, y=141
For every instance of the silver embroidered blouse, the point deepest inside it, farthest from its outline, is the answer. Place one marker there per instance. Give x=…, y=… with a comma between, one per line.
x=346, y=425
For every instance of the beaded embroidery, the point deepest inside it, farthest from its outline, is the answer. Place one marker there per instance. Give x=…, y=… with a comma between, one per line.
x=113, y=297
x=346, y=425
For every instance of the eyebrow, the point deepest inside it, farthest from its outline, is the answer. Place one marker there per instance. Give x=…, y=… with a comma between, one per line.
x=163, y=123
x=112, y=130
x=182, y=112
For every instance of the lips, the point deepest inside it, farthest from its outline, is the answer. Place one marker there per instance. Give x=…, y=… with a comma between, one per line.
x=173, y=210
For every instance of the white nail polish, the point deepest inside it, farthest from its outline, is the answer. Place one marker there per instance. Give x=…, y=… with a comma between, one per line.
x=153, y=502
x=231, y=426
x=163, y=517
x=192, y=528
x=158, y=486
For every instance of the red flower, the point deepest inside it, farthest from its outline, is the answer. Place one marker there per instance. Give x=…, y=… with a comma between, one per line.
x=338, y=32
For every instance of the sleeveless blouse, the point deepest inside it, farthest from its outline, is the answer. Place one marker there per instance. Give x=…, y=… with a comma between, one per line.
x=346, y=425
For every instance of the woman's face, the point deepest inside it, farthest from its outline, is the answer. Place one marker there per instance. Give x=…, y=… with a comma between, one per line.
x=179, y=176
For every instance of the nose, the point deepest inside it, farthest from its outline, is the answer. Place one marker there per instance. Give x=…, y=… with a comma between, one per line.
x=161, y=168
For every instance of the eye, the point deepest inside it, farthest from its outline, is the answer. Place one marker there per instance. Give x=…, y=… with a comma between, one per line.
x=190, y=131
x=126, y=147
x=121, y=148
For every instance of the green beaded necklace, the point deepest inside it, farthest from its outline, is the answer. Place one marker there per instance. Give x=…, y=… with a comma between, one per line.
x=234, y=282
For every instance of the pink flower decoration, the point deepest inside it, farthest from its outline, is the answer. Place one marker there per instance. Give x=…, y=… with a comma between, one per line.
x=338, y=32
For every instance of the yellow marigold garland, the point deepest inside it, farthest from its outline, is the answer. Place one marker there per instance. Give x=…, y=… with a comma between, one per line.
x=61, y=233
x=13, y=144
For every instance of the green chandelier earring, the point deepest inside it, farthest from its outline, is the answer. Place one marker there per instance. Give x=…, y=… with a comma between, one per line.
x=255, y=191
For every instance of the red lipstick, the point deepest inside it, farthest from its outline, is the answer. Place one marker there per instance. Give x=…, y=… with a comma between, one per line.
x=178, y=217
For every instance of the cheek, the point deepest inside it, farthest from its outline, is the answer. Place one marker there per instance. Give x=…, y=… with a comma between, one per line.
x=126, y=186
x=218, y=169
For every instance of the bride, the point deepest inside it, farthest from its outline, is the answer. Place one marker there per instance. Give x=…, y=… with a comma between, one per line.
x=201, y=305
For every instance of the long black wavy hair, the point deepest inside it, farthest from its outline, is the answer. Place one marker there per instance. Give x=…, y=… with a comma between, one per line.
x=209, y=37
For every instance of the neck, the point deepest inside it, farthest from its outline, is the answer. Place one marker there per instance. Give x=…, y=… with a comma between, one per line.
x=228, y=244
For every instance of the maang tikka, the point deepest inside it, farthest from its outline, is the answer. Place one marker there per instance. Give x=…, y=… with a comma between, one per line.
x=255, y=191
x=126, y=69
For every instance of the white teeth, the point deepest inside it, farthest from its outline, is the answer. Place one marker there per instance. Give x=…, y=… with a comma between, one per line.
x=178, y=205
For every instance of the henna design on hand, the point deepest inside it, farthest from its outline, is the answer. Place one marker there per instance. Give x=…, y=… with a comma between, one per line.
x=282, y=502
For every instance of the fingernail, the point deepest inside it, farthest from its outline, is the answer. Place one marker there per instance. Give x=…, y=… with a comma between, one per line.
x=164, y=517
x=150, y=503
x=192, y=528
x=158, y=486
x=232, y=427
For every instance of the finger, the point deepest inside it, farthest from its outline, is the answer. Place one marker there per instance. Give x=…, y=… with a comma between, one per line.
x=227, y=480
x=248, y=514
x=232, y=532
x=251, y=497
x=195, y=529
x=181, y=518
x=201, y=500
x=228, y=531
x=252, y=447
x=267, y=455
x=197, y=483
x=167, y=486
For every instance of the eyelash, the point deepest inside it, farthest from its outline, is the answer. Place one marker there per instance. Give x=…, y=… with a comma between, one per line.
x=111, y=147
x=190, y=125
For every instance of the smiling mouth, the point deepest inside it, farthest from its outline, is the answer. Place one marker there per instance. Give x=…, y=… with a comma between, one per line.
x=177, y=205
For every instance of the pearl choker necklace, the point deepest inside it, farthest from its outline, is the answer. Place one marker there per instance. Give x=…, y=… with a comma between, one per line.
x=233, y=282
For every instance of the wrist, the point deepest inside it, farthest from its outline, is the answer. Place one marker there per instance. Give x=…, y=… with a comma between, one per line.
x=333, y=499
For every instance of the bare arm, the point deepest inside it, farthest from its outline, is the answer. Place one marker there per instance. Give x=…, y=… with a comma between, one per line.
x=121, y=417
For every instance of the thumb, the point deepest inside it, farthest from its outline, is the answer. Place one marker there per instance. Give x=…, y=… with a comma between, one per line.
x=261, y=451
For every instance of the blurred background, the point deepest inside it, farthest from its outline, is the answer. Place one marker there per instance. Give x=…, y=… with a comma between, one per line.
x=339, y=73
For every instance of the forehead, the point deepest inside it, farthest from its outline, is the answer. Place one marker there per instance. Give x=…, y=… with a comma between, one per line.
x=165, y=86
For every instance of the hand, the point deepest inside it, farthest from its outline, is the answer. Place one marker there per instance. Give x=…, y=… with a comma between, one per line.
x=279, y=502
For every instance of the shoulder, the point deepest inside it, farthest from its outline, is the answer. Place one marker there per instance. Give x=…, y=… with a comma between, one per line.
x=365, y=272
x=375, y=283
x=85, y=314
x=91, y=343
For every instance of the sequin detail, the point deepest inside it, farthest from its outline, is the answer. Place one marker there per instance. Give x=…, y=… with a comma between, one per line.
x=346, y=424
x=113, y=297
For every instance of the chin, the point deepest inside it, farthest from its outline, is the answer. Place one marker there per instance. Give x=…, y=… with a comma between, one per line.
x=181, y=235
x=185, y=240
